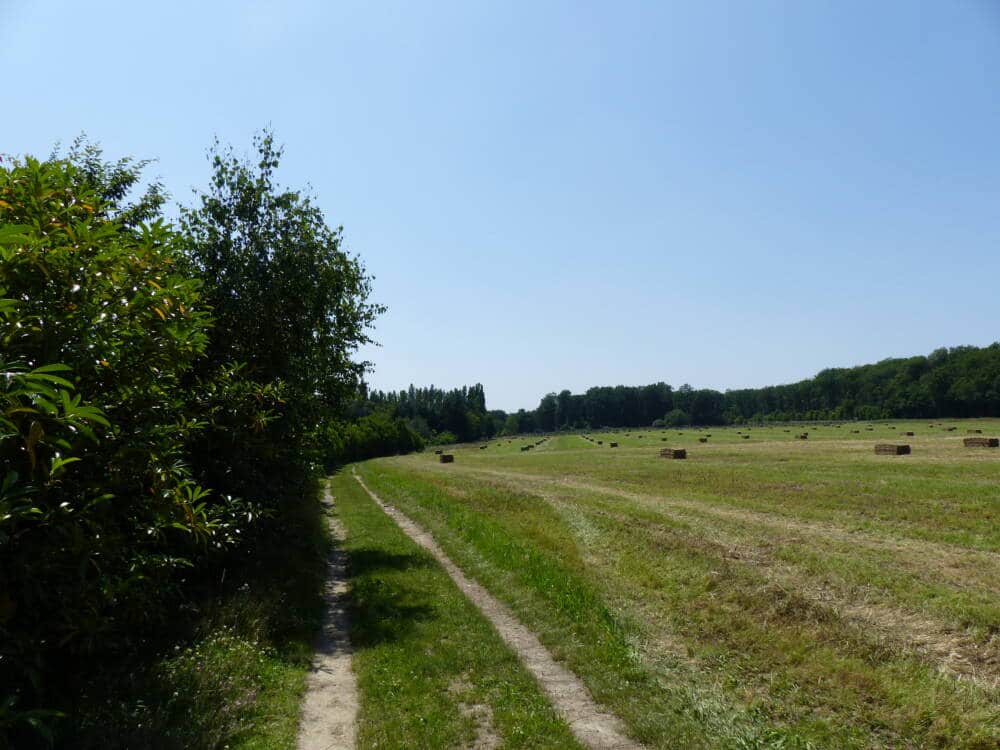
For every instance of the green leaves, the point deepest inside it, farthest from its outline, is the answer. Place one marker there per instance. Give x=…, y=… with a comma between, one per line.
x=45, y=373
x=39, y=414
x=136, y=439
x=99, y=327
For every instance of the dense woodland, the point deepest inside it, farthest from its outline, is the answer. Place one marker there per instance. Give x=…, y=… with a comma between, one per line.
x=959, y=382
x=443, y=416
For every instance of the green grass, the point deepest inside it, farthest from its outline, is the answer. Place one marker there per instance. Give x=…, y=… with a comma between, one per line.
x=765, y=592
x=432, y=672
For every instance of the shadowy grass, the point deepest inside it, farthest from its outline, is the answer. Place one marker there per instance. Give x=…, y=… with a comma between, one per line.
x=229, y=673
x=432, y=671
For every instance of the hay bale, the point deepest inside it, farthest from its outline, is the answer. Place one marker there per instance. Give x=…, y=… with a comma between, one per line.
x=981, y=442
x=745, y=437
x=891, y=449
x=974, y=432
x=438, y=452
x=703, y=440
x=673, y=453
x=952, y=429
x=446, y=458
x=663, y=440
x=600, y=442
x=802, y=436
x=907, y=434
x=614, y=445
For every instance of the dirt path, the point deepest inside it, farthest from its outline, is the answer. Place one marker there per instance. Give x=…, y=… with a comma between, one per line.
x=592, y=726
x=330, y=707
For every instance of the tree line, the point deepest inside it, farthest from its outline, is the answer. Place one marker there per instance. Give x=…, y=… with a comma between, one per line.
x=958, y=382
x=457, y=415
x=170, y=394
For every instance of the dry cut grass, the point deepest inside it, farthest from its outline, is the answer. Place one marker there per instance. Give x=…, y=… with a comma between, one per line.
x=766, y=592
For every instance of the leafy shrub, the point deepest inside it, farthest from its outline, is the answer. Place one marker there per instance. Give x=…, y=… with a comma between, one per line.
x=677, y=418
x=167, y=400
x=99, y=327
x=378, y=434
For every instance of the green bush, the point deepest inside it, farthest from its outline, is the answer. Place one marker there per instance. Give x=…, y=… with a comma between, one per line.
x=676, y=418
x=377, y=434
x=168, y=399
x=444, y=438
x=100, y=325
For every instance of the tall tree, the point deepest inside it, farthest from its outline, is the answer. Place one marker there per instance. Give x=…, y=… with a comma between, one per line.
x=291, y=308
x=293, y=304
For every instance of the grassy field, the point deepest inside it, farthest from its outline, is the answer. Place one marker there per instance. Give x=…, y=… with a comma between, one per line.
x=766, y=592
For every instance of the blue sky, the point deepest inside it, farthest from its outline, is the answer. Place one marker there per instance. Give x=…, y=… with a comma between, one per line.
x=564, y=194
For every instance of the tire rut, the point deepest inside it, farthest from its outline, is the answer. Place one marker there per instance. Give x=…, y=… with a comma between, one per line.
x=591, y=725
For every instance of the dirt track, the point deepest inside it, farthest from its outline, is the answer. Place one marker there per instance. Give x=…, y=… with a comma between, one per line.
x=592, y=726
x=330, y=706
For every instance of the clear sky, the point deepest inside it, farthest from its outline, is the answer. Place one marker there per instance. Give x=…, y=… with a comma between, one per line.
x=564, y=194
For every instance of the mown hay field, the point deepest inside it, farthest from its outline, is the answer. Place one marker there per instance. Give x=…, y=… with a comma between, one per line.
x=768, y=591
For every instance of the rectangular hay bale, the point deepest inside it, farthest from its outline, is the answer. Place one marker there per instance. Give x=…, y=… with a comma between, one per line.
x=673, y=453
x=446, y=458
x=981, y=442
x=891, y=449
